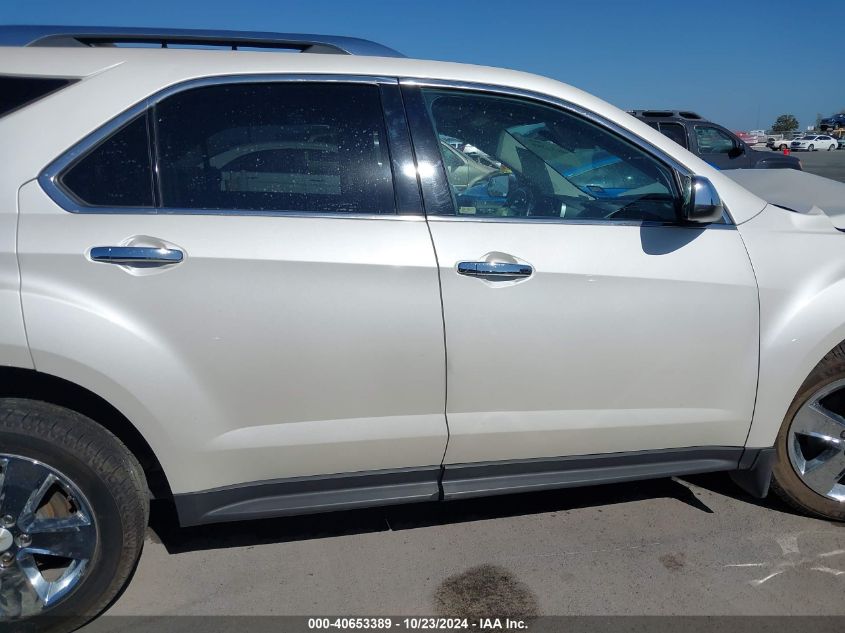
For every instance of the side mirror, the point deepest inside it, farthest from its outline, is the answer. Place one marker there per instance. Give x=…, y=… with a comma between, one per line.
x=702, y=204
x=498, y=186
x=736, y=150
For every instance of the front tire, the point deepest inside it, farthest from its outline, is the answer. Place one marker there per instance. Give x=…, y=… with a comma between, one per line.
x=73, y=513
x=810, y=470
x=811, y=148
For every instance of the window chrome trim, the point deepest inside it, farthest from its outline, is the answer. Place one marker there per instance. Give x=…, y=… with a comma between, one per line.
x=49, y=176
x=639, y=142
x=596, y=222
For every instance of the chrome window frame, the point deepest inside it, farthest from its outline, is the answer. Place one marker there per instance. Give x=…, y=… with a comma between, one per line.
x=678, y=169
x=49, y=178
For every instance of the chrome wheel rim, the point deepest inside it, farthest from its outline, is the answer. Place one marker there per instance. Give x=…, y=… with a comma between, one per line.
x=47, y=536
x=816, y=442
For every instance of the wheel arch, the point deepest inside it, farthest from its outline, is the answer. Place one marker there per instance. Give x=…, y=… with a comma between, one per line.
x=788, y=356
x=16, y=382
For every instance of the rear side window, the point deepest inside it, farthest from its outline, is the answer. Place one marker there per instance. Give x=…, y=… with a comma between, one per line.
x=675, y=131
x=313, y=147
x=117, y=172
x=16, y=92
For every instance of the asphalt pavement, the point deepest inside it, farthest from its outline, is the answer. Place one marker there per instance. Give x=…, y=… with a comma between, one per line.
x=693, y=546
x=830, y=164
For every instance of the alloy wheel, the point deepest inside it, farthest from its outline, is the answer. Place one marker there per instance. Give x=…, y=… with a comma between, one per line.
x=816, y=442
x=48, y=536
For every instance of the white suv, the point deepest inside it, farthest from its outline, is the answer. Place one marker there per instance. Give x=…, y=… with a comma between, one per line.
x=243, y=281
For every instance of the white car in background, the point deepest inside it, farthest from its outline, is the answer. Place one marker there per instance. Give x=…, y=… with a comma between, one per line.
x=244, y=281
x=813, y=143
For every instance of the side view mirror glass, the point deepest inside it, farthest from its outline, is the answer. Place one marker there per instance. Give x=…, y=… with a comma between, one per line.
x=498, y=186
x=702, y=204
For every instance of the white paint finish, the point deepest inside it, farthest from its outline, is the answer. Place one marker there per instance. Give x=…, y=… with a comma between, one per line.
x=624, y=339
x=280, y=347
x=122, y=77
x=799, y=264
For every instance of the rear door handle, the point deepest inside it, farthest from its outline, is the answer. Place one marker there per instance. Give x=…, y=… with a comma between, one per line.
x=499, y=271
x=136, y=255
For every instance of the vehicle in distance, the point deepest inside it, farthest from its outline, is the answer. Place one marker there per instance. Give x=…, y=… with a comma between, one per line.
x=813, y=142
x=834, y=122
x=713, y=143
x=841, y=142
x=244, y=281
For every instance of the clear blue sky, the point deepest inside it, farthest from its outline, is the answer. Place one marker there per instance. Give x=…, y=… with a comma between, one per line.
x=738, y=62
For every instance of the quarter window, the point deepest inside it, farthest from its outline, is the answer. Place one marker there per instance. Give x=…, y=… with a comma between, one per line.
x=675, y=131
x=17, y=92
x=314, y=147
x=117, y=172
x=532, y=160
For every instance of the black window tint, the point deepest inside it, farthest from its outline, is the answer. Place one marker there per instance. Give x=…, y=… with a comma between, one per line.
x=283, y=146
x=16, y=92
x=541, y=161
x=116, y=173
x=676, y=132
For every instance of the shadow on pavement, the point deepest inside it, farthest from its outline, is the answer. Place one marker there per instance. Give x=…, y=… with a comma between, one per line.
x=165, y=528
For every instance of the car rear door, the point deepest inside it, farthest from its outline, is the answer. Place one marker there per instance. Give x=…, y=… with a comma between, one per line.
x=581, y=318
x=261, y=297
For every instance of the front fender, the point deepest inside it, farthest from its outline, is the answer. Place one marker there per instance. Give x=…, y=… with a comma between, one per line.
x=799, y=262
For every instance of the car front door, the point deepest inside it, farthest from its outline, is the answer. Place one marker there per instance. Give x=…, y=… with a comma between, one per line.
x=581, y=317
x=720, y=148
x=267, y=306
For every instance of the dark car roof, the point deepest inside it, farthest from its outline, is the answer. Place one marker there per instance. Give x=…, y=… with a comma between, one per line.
x=667, y=114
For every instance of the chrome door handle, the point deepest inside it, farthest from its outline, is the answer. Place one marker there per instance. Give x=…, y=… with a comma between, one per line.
x=136, y=255
x=495, y=270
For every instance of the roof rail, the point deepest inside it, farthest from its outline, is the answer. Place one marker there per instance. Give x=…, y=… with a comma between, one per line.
x=40, y=35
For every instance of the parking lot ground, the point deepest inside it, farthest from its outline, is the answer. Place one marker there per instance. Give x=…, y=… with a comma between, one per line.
x=696, y=546
x=828, y=164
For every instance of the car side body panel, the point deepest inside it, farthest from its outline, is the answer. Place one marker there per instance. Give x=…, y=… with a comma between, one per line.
x=206, y=433
x=264, y=354
x=797, y=259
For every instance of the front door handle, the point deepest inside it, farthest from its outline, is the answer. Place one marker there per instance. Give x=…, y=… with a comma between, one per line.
x=496, y=271
x=136, y=255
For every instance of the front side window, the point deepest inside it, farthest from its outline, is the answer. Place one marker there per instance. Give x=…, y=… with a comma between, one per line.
x=533, y=160
x=712, y=140
x=315, y=147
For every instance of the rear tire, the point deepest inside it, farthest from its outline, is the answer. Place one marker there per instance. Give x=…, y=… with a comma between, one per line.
x=787, y=482
x=98, y=486
x=830, y=147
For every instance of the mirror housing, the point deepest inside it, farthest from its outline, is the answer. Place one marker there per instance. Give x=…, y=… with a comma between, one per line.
x=737, y=151
x=702, y=204
x=498, y=186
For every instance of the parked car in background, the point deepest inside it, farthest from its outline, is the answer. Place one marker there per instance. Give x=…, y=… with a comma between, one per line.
x=834, y=122
x=841, y=142
x=714, y=143
x=813, y=142
x=777, y=142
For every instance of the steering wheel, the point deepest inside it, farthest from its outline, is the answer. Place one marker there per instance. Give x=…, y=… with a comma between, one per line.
x=520, y=196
